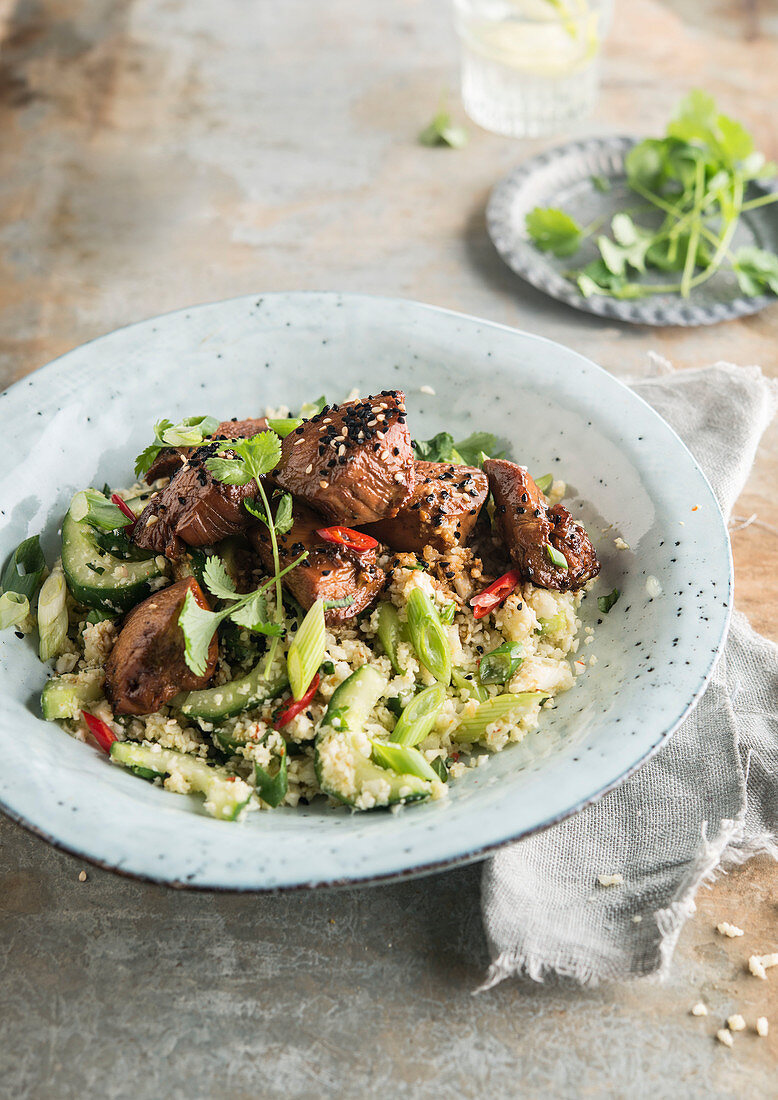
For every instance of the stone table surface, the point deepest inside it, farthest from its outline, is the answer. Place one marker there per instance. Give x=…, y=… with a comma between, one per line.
x=157, y=153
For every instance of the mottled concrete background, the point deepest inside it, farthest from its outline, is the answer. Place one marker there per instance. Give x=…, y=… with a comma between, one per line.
x=157, y=153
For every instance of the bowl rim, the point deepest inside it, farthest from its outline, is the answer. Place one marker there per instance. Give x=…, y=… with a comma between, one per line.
x=480, y=851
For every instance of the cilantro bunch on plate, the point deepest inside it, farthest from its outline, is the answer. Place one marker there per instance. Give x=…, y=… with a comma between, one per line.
x=696, y=178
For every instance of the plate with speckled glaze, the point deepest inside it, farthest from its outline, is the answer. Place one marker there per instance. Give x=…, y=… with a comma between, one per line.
x=568, y=177
x=82, y=419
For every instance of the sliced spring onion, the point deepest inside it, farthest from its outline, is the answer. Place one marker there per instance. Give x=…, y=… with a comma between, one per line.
x=390, y=634
x=418, y=718
x=473, y=727
x=554, y=625
x=402, y=759
x=24, y=569
x=447, y=613
x=284, y=428
x=311, y=408
x=544, y=483
x=467, y=681
x=307, y=650
x=272, y=788
x=92, y=506
x=556, y=557
x=605, y=603
x=428, y=636
x=499, y=666
x=52, y=615
x=14, y=609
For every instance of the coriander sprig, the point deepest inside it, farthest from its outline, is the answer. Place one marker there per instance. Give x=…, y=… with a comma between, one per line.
x=199, y=625
x=253, y=458
x=697, y=176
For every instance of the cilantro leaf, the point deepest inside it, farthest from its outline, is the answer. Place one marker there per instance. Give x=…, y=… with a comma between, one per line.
x=438, y=449
x=476, y=447
x=605, y=603
x=230, y=471
x=553, y=231
x=198, y=626
x=284, y=518
x=756, y=271
x=256, y=509
x=272, y=788
x=441, y=131
x=261, y=453
x=252, y=614
x=217, y=580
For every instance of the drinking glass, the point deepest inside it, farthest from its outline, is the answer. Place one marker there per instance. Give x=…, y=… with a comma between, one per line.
x=530, y=67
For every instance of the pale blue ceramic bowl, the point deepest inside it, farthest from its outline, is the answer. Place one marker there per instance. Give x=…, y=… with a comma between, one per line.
x=82, y=419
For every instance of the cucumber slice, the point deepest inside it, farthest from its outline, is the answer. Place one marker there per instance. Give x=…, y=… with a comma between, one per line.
x=226, y=795
x=98, y=579
x=222, y=702
x=66, y=696
x=342, y=757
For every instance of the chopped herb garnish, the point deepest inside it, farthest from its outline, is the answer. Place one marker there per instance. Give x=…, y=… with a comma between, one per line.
x=544, y=483
x=556, y=557
x=199, y=625
x=605, y=603
x=694, y=182
x=190, y=432
x=442, y=131
x=24, y=569
x=470, y=452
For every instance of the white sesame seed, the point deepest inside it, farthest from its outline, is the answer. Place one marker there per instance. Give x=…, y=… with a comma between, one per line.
x=736, y=1023
x=372, y=423
x=427, y=389
x=309, y=468
x=762, y=1026
x=730, y=930
x=323, y=484
x=152, y=520
x=327, y=420
x=342, y=449
x=82, y=876
x=724, y=1037
x=610, y=880
x=699, y=1009
x=399, y=476
x=297, y=442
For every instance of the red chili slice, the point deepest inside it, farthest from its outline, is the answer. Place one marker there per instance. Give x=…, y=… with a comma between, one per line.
x=102, y=733
x=346, y=536
x=125, y=508
x=296, y=705
x=495, y=594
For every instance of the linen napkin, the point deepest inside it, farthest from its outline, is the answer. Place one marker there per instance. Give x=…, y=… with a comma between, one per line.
x=707, y=798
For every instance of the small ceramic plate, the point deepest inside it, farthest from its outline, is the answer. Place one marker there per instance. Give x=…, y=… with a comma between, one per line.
x=81, y=420
x=565, y=178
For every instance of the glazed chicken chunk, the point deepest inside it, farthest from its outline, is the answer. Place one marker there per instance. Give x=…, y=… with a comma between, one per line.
x=146, y=667
x=330, y=572
x=441, y=511
x=535, y=534
x=353, y=462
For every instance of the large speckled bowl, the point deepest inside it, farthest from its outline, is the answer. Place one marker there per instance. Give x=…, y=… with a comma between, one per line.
x=81, y=421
